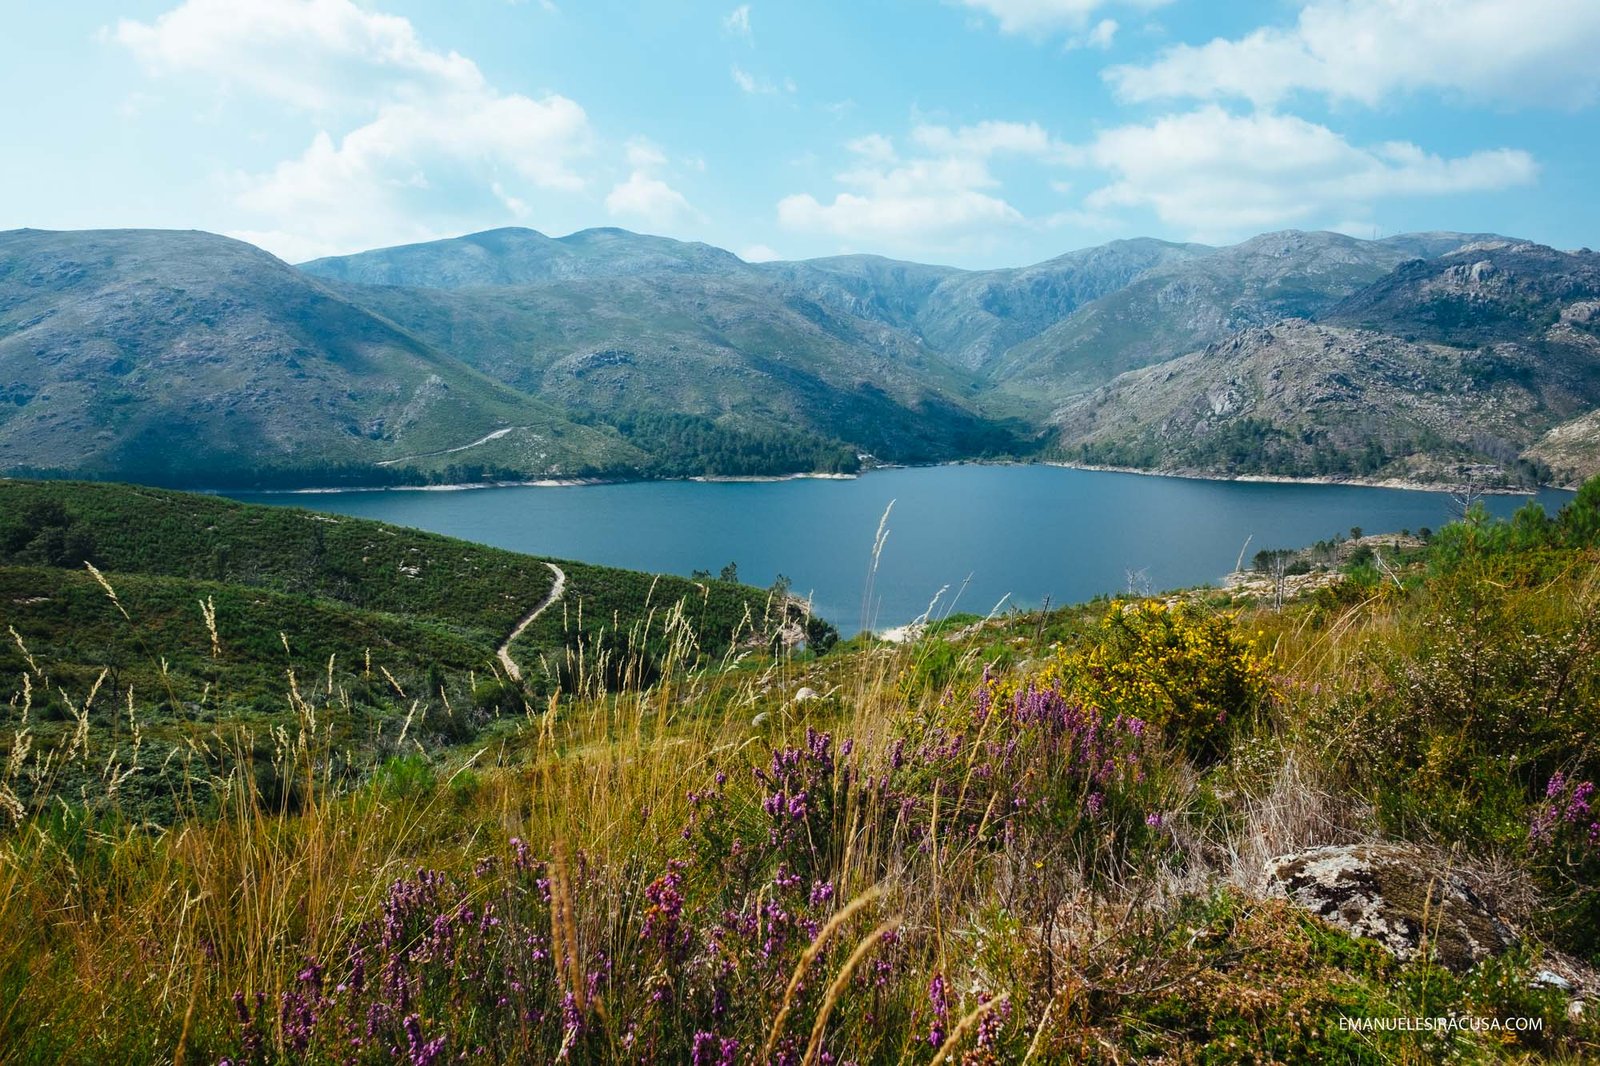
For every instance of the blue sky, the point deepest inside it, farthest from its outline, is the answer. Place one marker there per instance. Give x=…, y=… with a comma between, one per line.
x=973, y=132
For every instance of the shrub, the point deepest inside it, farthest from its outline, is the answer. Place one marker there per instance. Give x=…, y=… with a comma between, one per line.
x=406, y=776
x=1187, y=672
x=1564, y=836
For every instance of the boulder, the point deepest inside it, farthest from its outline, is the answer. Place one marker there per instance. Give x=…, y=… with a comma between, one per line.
x=806, y=695
x=1397, y=896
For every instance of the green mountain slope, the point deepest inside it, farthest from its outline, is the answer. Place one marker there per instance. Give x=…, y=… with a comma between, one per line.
x=186, y=357
x=976, y=319
x=1195, y=300
x=890, y=292
x=516, y=256
x=741, y=349
x=1488, y=355
x=424, y=597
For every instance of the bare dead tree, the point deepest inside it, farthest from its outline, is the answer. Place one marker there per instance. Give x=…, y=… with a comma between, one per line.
x=1467, y=493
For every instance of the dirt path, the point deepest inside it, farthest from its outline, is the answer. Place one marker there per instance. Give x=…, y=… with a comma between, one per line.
x=503, y=652
x=496, y=435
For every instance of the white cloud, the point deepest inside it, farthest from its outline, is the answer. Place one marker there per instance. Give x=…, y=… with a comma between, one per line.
x=315, y=54
x=428, y=146
x=644, y=154
x=416, y=171
x=986, y=139
x=1217, y=175
x=1100, y=36
x=645, y=197
x=650, y=200
x=938, y=199
x=757, y=86
x=1527, y=51
x=737, y=23
x=874, y=146
x=759, y=253
x=1038, y=16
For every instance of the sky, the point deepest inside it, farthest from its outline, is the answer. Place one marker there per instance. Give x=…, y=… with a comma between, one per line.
x=979, y=133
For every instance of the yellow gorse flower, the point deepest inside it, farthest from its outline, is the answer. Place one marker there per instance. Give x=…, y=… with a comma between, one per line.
x=1188, y=672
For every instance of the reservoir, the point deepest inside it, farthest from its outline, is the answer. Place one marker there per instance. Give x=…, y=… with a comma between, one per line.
x=985, y=535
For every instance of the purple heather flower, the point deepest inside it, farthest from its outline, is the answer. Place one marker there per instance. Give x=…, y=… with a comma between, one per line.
x=710, y=1050
x=423, y=1053
x=939, y=999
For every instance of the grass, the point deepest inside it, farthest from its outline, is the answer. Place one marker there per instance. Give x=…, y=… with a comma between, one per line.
x=403, y=624
x=1018, y=840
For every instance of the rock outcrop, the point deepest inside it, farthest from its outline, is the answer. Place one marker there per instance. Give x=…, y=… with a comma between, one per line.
x=1397, y=896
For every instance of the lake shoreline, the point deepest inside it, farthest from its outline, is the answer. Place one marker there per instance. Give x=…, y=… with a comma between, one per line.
x=1284, y=479
x=540, y=483
x=1190, y=475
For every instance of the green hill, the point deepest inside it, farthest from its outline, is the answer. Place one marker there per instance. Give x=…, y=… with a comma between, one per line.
x=188, y=358
x=1487, y=356
x=750, y=355
x=404, y=624
x=1188, y=301
x=517, y=256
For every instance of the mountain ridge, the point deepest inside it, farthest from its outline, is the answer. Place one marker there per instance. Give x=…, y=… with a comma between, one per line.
x=509, y=353
x=1487, y=353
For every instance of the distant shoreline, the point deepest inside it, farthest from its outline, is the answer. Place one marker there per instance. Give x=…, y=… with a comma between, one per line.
x=1190, y=475
x=1284, y=479
x=539, y=483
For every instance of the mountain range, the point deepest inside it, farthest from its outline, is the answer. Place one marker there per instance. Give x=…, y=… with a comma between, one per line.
x=187, y=358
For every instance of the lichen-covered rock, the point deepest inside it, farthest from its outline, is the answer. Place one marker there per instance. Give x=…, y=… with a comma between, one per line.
x=1397, y=896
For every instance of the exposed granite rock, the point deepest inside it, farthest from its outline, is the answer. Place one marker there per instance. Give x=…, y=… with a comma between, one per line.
x=1397, y=896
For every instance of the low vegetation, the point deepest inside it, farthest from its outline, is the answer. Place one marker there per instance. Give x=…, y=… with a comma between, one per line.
x=1036, y=838
x=214, y=600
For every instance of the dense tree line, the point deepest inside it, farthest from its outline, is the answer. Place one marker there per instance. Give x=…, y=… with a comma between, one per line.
x=682, y=445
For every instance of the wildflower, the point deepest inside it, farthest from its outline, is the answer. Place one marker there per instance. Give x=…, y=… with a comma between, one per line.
x=708, y=1049
x=422, y=1053
x=939, y=999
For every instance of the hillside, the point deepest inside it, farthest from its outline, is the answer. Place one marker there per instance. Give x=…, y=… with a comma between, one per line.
x=972, y=318
x=186, y=357
x=1198, y=299
x=1570, y=448
x=738, y=349
x=516, y=256
x=193, y=360
x=1306, y=400
x=419, y=604
x=1470, y=358
x=1487, y=292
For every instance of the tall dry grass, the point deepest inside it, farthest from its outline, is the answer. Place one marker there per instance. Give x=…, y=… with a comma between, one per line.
x=934, y=921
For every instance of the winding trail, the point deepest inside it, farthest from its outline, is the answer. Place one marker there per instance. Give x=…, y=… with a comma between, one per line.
x=503, y=652
x=496, y=435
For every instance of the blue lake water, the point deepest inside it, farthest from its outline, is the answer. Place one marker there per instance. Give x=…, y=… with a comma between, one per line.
x=984, y=534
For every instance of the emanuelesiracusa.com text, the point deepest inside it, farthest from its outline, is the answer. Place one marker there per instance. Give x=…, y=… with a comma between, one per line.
x=1443, y=1023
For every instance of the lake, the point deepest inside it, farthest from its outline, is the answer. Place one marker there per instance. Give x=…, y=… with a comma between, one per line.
x=982, y=534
